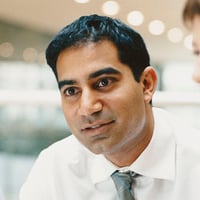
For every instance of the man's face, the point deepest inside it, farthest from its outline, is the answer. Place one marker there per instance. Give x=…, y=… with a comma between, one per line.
x=196, y=46
x=104, y=106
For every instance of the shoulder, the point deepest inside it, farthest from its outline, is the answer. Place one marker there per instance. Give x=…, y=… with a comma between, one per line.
x=184, y=135
x=188, y=137
x=57, y=163
x=65, y=150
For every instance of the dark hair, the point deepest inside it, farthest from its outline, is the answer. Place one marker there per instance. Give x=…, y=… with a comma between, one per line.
x=190, y=10
x=130, y=45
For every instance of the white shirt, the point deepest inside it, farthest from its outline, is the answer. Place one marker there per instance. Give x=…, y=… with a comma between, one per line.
x=170, y=168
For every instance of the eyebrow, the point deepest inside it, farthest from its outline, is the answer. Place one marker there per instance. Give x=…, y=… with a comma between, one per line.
x=65, y=82
x=108, y=70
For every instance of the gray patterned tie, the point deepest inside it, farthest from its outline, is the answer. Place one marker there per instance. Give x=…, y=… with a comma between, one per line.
x=123, y=182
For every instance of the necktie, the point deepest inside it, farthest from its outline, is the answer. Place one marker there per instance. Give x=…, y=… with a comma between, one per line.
x=123, y=182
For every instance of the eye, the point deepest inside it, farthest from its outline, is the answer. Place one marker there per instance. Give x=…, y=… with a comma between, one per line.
x=70, y=91
x=104, y=82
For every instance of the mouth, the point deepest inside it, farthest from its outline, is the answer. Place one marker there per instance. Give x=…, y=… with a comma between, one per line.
x=96, y=126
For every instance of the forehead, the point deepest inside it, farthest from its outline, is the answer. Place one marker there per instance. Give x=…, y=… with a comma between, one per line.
x=88, y=57
x=89, y=48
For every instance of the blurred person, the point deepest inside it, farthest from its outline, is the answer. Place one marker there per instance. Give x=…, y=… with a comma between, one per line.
x=106, y=83
x=191, y=17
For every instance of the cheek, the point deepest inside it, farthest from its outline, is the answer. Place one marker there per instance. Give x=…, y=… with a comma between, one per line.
x=129, y=105
x=135, y=107
x=68, y=114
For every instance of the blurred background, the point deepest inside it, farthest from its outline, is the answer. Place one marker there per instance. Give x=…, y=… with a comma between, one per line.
x=30, y=114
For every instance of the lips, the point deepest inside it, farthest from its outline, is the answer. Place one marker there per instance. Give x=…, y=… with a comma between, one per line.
x=95, y=125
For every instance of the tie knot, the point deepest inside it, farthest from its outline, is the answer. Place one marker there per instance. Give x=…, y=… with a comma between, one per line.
x=123, y=183
x=123, y=179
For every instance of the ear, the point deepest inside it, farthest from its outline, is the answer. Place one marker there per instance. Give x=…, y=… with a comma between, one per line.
x=149, y=83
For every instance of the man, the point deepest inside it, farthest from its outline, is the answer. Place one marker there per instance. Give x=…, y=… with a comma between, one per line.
x=191, y=17
x=106, y=83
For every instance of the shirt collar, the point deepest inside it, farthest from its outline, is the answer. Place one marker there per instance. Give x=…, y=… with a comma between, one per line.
x=101, y=169
x=156, y=161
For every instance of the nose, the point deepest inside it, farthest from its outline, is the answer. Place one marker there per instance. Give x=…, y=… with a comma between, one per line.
x=90, y=103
